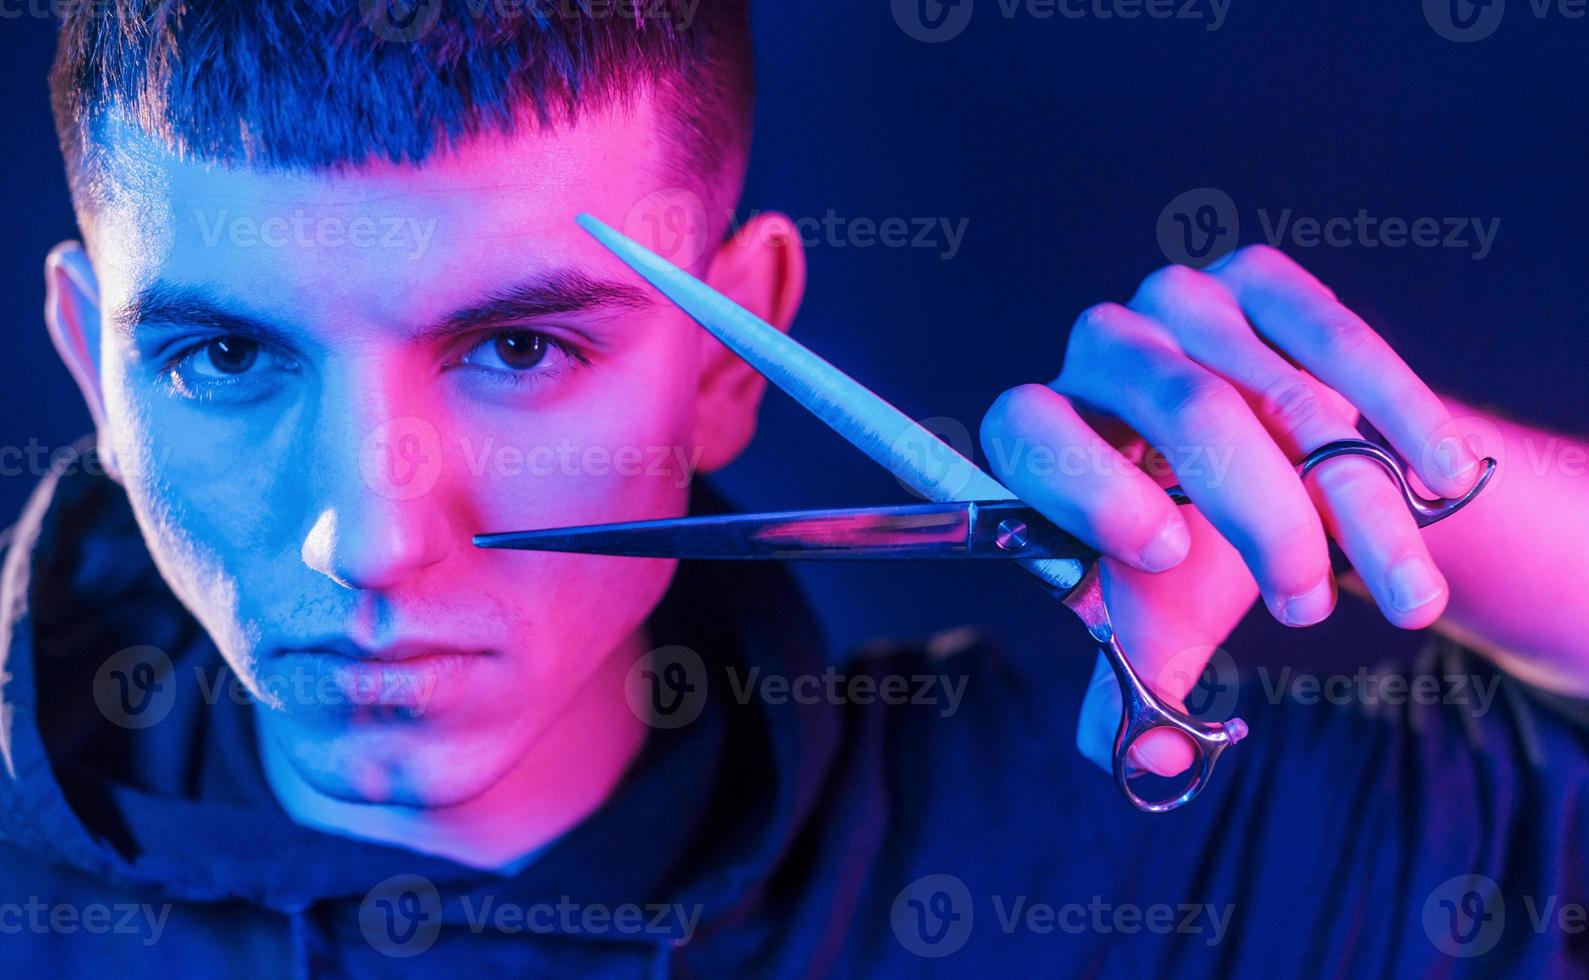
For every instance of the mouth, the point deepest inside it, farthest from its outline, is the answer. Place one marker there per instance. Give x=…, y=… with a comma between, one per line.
x=402, y=652
x=409, y=677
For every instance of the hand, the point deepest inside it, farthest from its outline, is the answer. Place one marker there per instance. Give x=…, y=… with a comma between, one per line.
x=1222, y=380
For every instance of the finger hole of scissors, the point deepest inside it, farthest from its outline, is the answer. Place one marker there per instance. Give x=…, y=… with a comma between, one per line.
x=1153, y=793
x=1165, y=751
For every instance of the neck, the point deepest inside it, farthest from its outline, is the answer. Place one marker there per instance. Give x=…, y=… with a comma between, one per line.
x=502, y=828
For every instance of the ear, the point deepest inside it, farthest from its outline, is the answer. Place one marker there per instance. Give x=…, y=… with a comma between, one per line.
x=71, y=311
x=762, y=267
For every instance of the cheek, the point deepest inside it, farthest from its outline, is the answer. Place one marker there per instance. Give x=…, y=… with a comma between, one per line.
x=621, y=451
x=203, y=490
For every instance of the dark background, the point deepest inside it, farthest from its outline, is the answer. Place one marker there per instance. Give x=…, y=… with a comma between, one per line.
x=1060, y=141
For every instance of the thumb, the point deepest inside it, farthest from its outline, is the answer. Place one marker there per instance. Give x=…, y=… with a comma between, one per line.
x=1163, y=752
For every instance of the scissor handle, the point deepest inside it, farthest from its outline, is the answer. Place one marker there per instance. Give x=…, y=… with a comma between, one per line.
x=1425, y=510
x=1142, y=712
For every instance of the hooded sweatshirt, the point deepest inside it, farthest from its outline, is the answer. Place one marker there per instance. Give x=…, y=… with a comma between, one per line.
x=932, y=817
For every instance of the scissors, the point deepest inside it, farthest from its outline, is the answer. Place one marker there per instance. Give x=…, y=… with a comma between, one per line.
x=969, y=514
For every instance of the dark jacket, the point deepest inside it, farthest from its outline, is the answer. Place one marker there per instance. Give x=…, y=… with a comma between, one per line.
x=769, y=836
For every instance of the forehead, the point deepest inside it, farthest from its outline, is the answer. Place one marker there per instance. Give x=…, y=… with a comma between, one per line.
x=383, y=242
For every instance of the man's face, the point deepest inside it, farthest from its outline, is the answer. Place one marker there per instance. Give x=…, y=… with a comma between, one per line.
x=319, y=387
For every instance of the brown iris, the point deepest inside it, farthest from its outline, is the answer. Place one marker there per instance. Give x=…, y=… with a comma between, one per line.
x=521, y=349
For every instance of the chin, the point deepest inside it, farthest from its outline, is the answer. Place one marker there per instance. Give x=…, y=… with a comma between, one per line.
x=413, y=767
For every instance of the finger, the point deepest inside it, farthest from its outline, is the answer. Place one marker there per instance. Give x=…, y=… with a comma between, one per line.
x=1255, y=501
x=1205, y=321
x=1366, y=515
x=1051, y=458
x=1301, y=315
x=1362, y=509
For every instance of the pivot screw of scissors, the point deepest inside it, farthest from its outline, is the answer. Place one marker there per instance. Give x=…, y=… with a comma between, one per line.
x=1010, y=535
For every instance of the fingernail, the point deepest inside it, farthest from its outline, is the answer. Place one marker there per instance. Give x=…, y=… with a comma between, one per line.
x=1454, y=459
x=1168, y=548
x=1413, y=583
x=1309, y=607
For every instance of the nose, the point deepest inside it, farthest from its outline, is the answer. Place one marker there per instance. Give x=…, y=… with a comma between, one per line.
x=378, y=514
x=367, y=546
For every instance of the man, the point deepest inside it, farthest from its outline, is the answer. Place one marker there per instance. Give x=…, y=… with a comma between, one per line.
x=268, y=712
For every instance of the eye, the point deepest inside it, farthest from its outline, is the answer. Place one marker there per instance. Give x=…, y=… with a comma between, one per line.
x=230, y=366
x=518, y=352
x=224, y=357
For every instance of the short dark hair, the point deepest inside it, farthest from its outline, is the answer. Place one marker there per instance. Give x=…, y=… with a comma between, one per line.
x=317, y=85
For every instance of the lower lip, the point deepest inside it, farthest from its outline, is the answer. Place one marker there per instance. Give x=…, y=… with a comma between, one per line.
x=318, y=679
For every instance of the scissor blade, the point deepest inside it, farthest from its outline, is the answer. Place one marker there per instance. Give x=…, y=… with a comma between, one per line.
x=923, y=531
x=893, y=439
x=980, y=529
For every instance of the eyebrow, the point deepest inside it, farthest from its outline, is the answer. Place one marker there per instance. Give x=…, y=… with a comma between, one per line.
x=553, y=293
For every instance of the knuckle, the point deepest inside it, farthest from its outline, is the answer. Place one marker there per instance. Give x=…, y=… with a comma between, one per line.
x=1257, y=260
x=1100, y=320
x=1301, y=556
x=1357, y=481
x=1163, y=284
x=1197, y=400
x=1011, y=407
x=1293, y=402
x=1343, y=335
